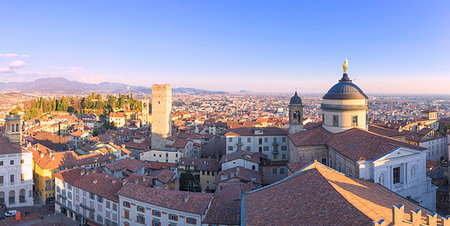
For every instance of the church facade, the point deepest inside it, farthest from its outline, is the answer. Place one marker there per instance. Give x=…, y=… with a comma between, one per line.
x=343, y=142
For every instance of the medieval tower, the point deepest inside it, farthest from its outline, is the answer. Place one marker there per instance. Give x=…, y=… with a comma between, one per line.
x=13, y=129
x=161, y=115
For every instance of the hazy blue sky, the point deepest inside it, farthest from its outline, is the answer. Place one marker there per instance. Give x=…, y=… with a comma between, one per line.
x=392, y=46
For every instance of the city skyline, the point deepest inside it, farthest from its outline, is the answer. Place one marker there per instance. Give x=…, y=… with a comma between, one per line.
x=392, y=47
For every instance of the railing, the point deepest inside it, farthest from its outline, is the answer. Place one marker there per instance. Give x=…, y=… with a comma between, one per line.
x=87, y=207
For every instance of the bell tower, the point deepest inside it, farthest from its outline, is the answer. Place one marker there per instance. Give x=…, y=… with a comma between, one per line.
x=13, y=128
x=295, y=114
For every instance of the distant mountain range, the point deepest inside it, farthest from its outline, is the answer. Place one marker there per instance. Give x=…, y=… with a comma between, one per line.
x=62, y=86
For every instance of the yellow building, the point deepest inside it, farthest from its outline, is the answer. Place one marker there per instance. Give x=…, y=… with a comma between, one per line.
x=204, y=171
x=46, y=163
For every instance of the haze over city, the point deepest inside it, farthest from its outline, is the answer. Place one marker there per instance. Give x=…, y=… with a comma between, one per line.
x=399, y=47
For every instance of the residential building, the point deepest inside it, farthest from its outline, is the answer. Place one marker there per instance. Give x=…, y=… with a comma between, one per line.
x=270, y=141
x=141, y=205
x=88, y=197
x=204, y=169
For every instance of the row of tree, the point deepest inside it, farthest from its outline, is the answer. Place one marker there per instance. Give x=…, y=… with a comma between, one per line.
x=78, y=105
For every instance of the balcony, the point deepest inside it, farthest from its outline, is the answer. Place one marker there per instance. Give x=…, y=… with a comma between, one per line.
x=87, y=207
x=275, y=143
x=240, y=144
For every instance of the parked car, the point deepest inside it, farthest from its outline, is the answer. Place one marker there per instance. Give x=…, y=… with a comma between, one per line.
x=10, y=213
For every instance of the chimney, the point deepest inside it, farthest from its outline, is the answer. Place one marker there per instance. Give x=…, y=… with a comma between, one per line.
x=187, y=198
x=82, y=172
x=94, y=181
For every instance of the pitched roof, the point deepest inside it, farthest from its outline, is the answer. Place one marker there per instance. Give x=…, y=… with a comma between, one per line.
x=206, y=164
x=163, y=175
x=98, y=183
x=131, y=164
x=226, y=204
x=296, y=166
x=318, y=195
x=386, y=132
x=250, y=131
x=46, y=158
x=354, y=143
x=189, y=202
x=246, y=155
x=6, y=147
x=239, y=173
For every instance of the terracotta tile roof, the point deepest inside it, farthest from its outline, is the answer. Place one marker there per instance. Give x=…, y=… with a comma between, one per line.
x=354, y=143
x=295, y=166
x=200, y=163
x=6, y=147
x=246, y=155
x=145, y=145
x=386, y=132
x=46, y=158
x=240, y=174
x=226, y=204
x=179, y=143
x=189, y=136
x=98, y=183
x=250, y=131
x=189, y=202
x=318, y=195
x=145, y=181
x=163, y=175
x=161, y=165
x=132, y=165
x=431, y=164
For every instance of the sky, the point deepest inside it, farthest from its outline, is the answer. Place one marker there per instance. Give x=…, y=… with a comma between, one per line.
x=230, y=45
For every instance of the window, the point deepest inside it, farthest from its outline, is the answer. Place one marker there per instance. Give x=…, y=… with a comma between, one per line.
x=22, y=161
x=355, y=120
x=1, y=163
x=253, y=167
x=140, y=219
x=126, y=214
x=274, y=171
x=126, y=204
x=156, y=222
x=239, y=140
x=266, y=139
x=249, y=140
x=99, y=199
x=336, y=120
x=91, y=195
x=283, y=148
x=413, y=172
x=99, y=218
x=396, y=175
x=11, y=178
x=281, y=170
x=274, y=139
x=190, y=220
x=173, y=217
x=1, y=180
x=260, y=141
x=324, y=161
x=11, y=162
x=22, y=177
x=283, y=156
x=156, y=213
x=247, y=148
x=114, y=206
x=140, y=208
x=230, y=139
x=283, y=139
x=381, y=179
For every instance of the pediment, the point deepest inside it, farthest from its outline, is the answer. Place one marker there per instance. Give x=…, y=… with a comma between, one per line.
x=398, y=153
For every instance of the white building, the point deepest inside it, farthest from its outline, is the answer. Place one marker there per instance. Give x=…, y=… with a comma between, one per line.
x=16, y=175
x=88, y=196
x=171, y=156
x=245, y=159
x=141, y=205
x=344, y=143
x=270, y=141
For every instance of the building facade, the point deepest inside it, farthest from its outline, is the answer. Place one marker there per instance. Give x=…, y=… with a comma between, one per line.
x=161, y=115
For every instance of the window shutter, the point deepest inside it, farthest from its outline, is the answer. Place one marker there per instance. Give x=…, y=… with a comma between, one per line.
x=153, y=222
x=137, y=218
x=143, y=220
x=137, y=207
x=153, y=213
x=195, y=221
x=124, y=203
x=176, y=217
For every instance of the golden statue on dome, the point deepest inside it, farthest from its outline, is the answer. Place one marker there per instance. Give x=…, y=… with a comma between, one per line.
x=345, y=65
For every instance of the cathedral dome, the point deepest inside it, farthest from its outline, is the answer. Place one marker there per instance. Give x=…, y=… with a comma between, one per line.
x=296, y=99
x=345, y=89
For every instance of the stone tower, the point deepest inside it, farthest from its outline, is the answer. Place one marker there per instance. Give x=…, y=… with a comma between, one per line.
x=344, y=106
x=161, y=115
x=13, y=128
x=145, y=111
x=295, y=114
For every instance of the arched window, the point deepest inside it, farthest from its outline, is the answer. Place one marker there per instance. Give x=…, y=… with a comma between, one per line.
x=2, y=197
x=260, y=140
x=12, y=128
x=260, y=149
x=22, y=195
x=12, y=197
x=253, y=167
x=17, y=127
x=381, y=179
